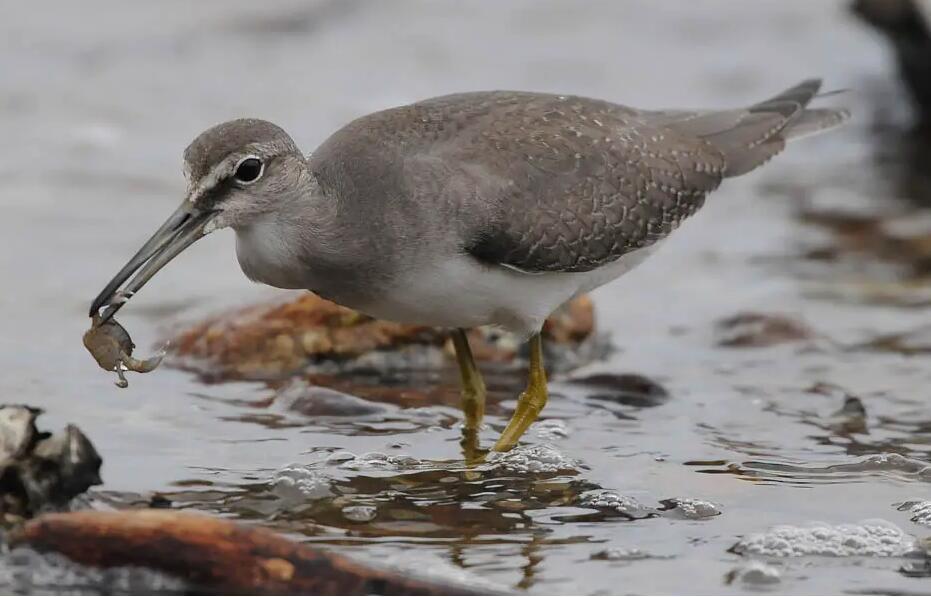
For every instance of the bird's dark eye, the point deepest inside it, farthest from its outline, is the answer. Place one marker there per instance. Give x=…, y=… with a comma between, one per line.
x=249, y=170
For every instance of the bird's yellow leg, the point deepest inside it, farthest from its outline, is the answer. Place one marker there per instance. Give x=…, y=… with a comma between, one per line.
x=531, y=401
x=473, y=395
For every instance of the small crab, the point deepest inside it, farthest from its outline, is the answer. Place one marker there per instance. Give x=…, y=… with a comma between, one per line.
x=110, y=345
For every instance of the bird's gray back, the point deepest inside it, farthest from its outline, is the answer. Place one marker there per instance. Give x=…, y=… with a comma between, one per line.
x=534, y=181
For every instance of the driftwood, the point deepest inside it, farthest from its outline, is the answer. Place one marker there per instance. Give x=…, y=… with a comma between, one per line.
x=213, y=555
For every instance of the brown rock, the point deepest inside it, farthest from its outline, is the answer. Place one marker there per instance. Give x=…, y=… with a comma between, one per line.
x=756, y=330
x=214, y=554
x=269, y=341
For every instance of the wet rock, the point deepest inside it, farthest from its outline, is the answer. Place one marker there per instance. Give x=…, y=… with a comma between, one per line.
x=911, y=342
x=629, y=389
x=755, y=573
x=615, y=503
x=307, y=399
x=533, y=460
x=272, y=341
x=879, y=258
x=690, y=508
x=877, y=538
x=850, y=418
x=17, y=431
x=214, y=555
x=758, y=330
x=921, y=512
x=39, y=470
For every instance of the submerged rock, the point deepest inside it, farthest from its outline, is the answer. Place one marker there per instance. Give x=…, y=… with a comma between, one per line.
x=628, y=389
x=912, y=342
x=272, y=341
x=757, y=330
x=877, y=538
x=39, y=470
x=311, y=400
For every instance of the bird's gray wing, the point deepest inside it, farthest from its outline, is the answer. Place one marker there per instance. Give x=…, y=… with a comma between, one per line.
x=576, y=183
x=581, y=182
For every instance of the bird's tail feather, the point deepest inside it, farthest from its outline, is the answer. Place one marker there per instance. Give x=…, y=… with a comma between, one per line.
x=750, y=137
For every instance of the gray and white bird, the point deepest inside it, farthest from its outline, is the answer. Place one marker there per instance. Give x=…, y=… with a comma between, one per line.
x=486, y=208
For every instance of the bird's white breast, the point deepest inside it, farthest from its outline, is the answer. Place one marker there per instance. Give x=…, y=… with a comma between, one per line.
x=462, y=292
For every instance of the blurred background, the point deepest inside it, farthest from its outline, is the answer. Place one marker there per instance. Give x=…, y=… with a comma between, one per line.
x=827, y=250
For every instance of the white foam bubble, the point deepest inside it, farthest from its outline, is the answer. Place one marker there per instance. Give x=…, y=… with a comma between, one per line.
x=877, y=538
x=299, y=482
x=605, y=499
x=533, y=459
x=694, y=508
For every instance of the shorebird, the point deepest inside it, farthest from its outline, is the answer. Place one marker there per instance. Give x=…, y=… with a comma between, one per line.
x=485, y=208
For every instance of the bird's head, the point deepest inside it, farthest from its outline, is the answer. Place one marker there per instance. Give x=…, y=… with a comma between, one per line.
x=237, y=172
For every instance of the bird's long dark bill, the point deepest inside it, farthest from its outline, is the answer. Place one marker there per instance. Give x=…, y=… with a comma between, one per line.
x=179, y=231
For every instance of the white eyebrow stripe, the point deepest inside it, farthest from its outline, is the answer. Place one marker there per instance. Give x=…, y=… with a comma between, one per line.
x=211, y=179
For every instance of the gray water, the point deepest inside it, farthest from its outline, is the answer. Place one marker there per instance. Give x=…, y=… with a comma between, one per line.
x=97, y=101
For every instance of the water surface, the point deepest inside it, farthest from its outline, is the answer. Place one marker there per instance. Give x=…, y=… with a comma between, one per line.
x=98, y=100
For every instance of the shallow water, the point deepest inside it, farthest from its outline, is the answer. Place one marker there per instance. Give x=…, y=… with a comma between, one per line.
x=95, y=113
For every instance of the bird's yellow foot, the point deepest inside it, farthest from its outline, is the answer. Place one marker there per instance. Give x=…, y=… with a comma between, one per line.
x=472, y=452
x=473, y=398
x=531, y=401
